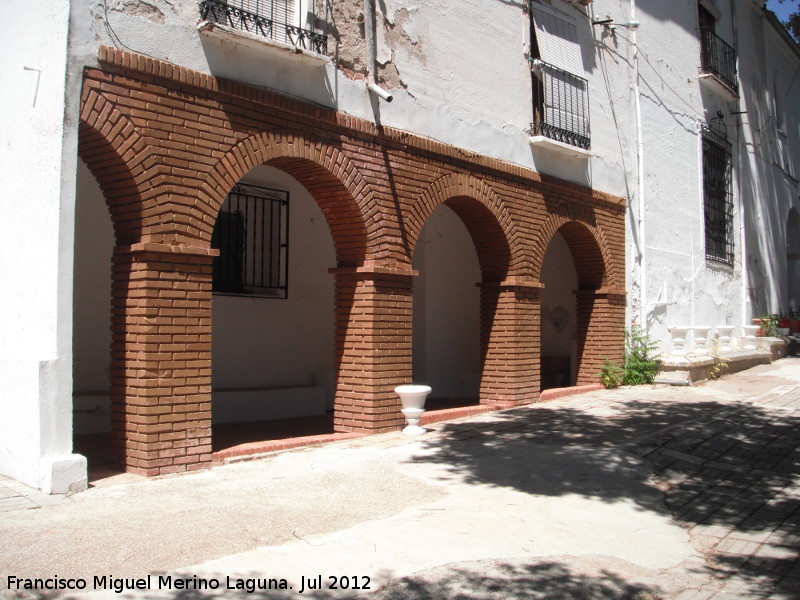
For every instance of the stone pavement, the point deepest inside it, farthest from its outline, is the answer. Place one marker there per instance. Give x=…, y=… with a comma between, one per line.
x=648, y=492
x=15, y=495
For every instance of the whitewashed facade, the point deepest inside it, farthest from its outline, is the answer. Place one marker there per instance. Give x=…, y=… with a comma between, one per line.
x=461, y=76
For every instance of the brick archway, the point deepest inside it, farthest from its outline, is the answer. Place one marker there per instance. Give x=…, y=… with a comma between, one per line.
x=509, y=368
x=599, y=302
x=484, y=215
x=587, y=241
x=329, y=175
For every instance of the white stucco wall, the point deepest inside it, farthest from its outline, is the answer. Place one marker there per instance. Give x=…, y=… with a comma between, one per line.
x=446, y=313
x=37, y=169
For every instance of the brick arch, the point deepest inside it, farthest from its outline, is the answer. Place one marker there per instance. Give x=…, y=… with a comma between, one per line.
x=587, y=242
x=120, y=160
x=324, y=170
x=482, y=212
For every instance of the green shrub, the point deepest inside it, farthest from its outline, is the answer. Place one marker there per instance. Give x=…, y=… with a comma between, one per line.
x=641, y=363
x=610, y=374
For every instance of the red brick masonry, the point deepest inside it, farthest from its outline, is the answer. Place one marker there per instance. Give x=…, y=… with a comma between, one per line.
x=166, y=145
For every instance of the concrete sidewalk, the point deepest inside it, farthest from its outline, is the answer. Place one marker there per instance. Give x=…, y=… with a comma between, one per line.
x=648, y=492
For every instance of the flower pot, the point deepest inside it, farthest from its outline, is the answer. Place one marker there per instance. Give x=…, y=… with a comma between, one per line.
x=761, y=331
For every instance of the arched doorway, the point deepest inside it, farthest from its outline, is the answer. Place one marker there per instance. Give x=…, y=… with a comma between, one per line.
x=273, y=355
x=558, y=316
x=446, y=314
x=574, y=247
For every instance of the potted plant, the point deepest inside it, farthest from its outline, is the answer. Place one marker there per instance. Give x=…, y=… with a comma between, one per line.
x=768, y=325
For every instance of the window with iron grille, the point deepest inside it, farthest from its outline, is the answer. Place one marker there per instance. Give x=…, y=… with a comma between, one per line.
x=560, y=94
x=252, y=236
x=293, y=22
x=717, y=57
x=717, y=197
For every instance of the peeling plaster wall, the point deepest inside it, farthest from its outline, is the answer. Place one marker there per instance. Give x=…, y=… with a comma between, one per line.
x=670, y=280
x=460, y=76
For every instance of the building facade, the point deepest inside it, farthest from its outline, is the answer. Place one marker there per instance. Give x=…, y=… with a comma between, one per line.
x=255, y=210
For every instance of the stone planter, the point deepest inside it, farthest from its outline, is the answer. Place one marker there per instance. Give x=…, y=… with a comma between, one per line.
x=749, y=335
x=700, y=334
x=679, y=339
x=725, y=332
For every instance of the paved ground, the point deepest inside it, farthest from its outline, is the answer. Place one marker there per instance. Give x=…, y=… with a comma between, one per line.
x=649, y=492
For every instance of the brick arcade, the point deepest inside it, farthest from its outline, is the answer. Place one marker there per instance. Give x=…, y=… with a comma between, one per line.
x=166, y=145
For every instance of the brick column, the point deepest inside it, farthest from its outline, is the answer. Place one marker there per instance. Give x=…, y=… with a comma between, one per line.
x=601, y=330
x=510, y=341
x=161, y=358
x=373, y=346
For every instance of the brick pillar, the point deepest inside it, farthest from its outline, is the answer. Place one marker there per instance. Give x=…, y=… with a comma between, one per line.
x=510, y=341
x=161, y=358
x=373, y=347
x=600, y=331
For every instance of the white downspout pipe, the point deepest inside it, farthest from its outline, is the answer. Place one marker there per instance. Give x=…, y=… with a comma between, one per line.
x=369, y=33
x=640, y=174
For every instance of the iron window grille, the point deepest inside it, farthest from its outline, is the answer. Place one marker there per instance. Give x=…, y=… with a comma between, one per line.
x=252, y=236
x=718, y=58
x=717, y=197
x=560, y=105
x=272, y=19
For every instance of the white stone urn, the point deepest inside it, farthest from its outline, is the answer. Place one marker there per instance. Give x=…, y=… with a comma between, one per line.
x=700, y=339
x=412, y=397
x=679, y=334
x=749, y=333
x=725, y=333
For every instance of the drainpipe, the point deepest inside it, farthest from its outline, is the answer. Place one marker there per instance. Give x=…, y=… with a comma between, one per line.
x=741, y=156
x=640, y=174
x=369, y=32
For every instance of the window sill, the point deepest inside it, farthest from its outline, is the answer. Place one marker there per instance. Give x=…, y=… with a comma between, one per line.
x=274, y=47
x=716, y=84
x=545, y=143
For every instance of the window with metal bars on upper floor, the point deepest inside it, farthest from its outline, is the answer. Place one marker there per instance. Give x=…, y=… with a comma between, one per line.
x=560, y=93
x=717, y=196
x=298, y=23
x=252, y=236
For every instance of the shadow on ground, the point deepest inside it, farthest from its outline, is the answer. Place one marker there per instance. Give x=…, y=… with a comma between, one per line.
x=484, y=580
x=731, y=468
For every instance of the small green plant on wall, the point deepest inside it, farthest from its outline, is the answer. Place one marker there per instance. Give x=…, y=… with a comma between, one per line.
x=719, y=367
x=641, y=362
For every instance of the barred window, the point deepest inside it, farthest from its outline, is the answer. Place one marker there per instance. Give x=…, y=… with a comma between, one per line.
x=717, y=197
x=252, y=236
x=560, y=94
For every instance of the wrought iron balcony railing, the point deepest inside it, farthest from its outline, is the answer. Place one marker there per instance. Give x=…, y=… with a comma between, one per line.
x=267, y=18
x=718, y=58
x=560, y=105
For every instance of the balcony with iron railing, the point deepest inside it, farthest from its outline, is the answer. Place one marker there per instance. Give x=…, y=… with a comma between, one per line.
x=718, y=60
x=560, y=107
x=268, y=19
